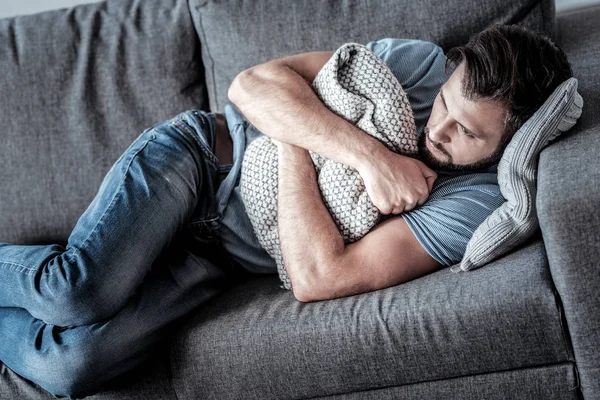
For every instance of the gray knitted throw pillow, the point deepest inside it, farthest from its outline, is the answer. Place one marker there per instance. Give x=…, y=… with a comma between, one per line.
x=515, y=220
x=358, y=86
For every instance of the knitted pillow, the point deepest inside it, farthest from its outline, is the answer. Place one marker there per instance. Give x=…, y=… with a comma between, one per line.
x=515, y=221
x=358, y=86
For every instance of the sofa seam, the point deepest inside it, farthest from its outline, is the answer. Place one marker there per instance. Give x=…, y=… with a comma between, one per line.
x=565, y=333
x=550, y=24
x=566, y=363
x=522, y=13
x=204, y=45
x=169, y=366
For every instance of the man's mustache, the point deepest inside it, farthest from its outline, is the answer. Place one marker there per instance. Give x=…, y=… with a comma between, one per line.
x=440, y=148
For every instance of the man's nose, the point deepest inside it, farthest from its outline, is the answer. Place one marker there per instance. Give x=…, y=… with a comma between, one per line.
x=440, y=132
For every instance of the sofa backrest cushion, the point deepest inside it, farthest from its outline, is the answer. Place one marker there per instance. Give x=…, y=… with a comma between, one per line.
x=238, y=34
x=78, y=86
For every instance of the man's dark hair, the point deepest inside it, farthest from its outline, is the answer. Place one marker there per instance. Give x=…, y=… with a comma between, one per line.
x=513, y=65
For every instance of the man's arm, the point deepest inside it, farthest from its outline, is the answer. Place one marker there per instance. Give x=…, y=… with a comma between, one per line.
x=318, y=263
x=277, y=98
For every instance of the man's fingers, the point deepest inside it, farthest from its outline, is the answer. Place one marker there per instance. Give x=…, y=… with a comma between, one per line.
x=430, y=182
x=398, y=210
x=410, y=206
x=429, y=174
x=385, y=210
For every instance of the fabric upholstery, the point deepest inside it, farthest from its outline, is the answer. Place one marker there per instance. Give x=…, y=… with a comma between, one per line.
x=358, y=86
x=238, y=34
x=568, y=198
x=78, y=85
x=270, y=346
x=515, y=220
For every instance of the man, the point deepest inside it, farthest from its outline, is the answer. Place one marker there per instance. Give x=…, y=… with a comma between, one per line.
x=141, y=256
x=503, y=75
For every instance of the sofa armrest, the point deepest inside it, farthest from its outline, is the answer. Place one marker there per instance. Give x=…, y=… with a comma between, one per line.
x=567, y=205
x=568, y=198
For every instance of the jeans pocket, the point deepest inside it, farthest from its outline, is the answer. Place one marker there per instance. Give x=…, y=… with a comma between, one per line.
x=203, y=239
x=205, y=231
x=200, y=126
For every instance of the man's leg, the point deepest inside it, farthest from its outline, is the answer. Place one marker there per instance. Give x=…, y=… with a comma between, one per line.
x=78, y=361
x=147, y=196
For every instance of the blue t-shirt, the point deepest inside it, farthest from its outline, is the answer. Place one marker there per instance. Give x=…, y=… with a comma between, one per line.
x=458, y=202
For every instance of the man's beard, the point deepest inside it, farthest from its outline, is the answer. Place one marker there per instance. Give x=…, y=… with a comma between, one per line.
x=427, y=157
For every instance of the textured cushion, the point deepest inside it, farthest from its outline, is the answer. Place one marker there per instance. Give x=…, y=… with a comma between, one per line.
x=259, y=340
x=78, y=86
x=358, y=86
x=238, y=34
x=515, y=220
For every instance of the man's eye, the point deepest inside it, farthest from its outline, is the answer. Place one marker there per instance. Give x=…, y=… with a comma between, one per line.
x=466, y=133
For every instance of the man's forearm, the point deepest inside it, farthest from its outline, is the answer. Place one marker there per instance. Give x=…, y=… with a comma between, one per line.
x=308, y=235
x=282, y=105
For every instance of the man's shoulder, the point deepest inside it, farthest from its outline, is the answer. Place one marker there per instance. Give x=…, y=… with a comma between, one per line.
x=387, y=47
x=419, y=67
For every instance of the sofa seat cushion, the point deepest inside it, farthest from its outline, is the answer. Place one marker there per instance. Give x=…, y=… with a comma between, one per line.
x=259, y=340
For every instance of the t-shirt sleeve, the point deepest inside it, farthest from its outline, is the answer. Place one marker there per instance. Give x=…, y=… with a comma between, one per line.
x=419, y=66
x=444, y=225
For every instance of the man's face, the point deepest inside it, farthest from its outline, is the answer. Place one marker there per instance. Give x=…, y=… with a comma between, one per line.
x=462, y=135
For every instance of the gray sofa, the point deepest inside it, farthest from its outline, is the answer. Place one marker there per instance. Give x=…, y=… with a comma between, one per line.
x=78, y=85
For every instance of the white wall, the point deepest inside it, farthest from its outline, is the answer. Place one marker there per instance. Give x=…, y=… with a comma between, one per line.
x=9, y=8
x=566, y=5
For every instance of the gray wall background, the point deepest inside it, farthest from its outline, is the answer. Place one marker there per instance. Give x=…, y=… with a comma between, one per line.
x=9, y=8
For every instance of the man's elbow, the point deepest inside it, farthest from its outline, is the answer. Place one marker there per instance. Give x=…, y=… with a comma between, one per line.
x=269, y=79
x=314, y=285
x=239, y=88
x=301, y=290
x=305, y=283
x=301, y=295
x=331, y=283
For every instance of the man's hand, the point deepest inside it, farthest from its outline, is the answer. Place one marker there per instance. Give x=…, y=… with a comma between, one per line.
x=396, y=183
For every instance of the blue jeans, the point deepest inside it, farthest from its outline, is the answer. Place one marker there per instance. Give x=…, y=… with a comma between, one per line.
x=144, y=254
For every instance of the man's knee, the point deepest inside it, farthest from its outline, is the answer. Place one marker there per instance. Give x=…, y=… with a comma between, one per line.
x=65, y=372
x=78, y=308
x=79, y=301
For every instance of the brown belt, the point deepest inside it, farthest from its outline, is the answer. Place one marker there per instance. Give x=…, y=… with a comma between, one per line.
x=223, y=145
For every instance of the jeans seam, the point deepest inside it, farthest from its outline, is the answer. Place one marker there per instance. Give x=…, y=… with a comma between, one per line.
x=21, y=268
x=112, y=202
